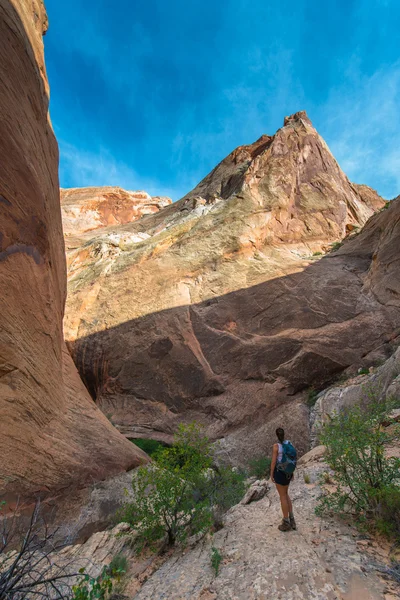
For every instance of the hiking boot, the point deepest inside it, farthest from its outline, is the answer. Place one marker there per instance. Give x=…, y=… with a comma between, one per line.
x=293, y=523
x=285, y=526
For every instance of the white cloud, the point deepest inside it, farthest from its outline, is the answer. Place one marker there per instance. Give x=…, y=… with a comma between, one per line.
x=361, y=124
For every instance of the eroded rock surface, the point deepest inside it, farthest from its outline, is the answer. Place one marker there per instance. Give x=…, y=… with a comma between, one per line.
x=52, y=435
x=85, y=209
x=383, y=382
x=220, y=309
x=324, y=559
x=320, y=560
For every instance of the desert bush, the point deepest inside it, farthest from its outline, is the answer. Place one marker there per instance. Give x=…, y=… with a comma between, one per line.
x=335, y=246
x=92, y=588
x=180, y=493
x=148, y=446
x=306, y=478
x=118, y=566
x=260, y=467
x=29, y=567
x=165, y=501
x=366, y=480
x=312, y=396
x=216, y=559
x=34, y=566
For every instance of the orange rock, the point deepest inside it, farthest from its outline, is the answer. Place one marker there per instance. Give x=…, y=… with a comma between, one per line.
x=52, y=436
x=218, y=308
x=85, y=209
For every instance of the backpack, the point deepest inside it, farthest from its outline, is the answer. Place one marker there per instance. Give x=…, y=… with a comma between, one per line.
x=289, y=458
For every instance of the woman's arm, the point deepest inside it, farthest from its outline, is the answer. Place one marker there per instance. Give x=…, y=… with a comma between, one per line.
x=273, y=461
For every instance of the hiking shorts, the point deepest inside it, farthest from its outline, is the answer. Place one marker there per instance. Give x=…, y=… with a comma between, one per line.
x=281, y=478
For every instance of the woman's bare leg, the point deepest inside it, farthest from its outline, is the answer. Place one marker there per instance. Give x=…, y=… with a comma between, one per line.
x=289, y=501
x=283, y=495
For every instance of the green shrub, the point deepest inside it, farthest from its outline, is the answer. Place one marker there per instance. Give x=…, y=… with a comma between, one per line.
x=312, y=397
x=366, y=480
x=317, y=253
x=388, y=511
x=90, y=588
x=336, y=246
x=118, y=566
x=165, y=503
x=260, y=467
x=306, y=478
x=363, y=371
x=216, y=559
x=181, y=493
x=224, y=487
x=148, y=446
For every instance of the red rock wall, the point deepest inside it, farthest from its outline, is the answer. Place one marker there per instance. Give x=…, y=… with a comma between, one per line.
x=51, y=433
x=86, y=209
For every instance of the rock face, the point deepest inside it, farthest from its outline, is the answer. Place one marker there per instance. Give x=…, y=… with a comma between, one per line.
x=321, y=559
x=51, y=433
x=383, y=383
x=220, y=309
x=85, y=209
x=324, y=559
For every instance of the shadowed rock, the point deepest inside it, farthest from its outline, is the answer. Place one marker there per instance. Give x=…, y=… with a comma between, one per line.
x=223, y=312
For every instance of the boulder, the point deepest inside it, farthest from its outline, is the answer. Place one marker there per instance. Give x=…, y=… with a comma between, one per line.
x=314, y=455
x=256, y=491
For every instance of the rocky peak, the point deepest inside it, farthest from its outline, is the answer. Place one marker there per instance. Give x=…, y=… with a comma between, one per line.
x=296, y=118
x=219, y=308
x=293, y=177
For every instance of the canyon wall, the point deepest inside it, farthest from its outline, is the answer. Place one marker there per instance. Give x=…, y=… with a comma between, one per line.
x=52, y=435
x=228, y=306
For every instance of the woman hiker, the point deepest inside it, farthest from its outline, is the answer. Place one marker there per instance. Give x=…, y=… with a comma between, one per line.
x=282, y=481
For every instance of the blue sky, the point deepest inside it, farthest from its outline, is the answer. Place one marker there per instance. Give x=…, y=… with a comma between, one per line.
x=152, y=94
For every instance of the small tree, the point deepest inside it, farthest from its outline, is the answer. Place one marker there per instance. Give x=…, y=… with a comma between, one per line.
x=363, y=474
x=181, y=492
x=166, y=500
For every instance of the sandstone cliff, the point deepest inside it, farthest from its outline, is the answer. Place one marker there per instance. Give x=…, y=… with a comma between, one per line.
x=85, y=209
x=51, y=433
x=219, y=308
